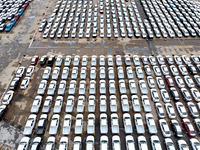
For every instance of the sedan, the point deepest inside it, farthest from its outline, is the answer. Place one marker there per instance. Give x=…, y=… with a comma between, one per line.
x=50, y=143
x=74, y=73
x=195, y=143
x=183, y=70
x=189, y=127
x=150, y=82
x=52, y=87
x=36, y=104
x=142, y=143
x=130, y=144
x=164, y=70
x=82, y=87
x=58, y=104
x=176, y=128
x=144, y=60
x=43, y=60
x=139, y=72
x=67, y=60
x=189, y=81
x=20, y=71
x=102, y=73
x=114, y=123
x=61, y=88
x=55, y=73
x=91, y=124
x=169, y=81
x=8, y=97
x=157, y=71
x=151, y=123
x=181, y=110
x=90, y=143
x=186, y=59
x=174, y=93
x=118, y=60
x=65, y=73
x=81, y=103
x=24, y=143
x=72, y=87
x=186, y=94
x=67, y=124
x=122, y=87
x=30, y=124
x=160, y=110
x=30, y=70
x=127, y=123
x=79, y=124
x=160, y=82
x=37, y=141
x=59, y=60
x=169, y=60
x=179, y=82
x=54, y=124
x=170, y=110
x=34, y=60
x=42, y=123
x=116, y=143
x=197, y=80
x=129, y=72
x=139, y=123
x=164, y=128
x=165, y=95
x=155, y=142
x=192, y=69
x=143, y=87
x=77, y=143
x=76, y=60
x=83, y=73
x=112, y=88
x=182, y=145
x=14, y=83
x=132, y=87
x=25, y=82
x=169, y=144
x=47, y=104
x=63, y=143
x=146, y=103
x=103, y=123
x=147, y=70
x=47, y=72
x=111, y=74
x=160, y=59
x=178, y=60
x=152, y=60
x=124, y=103
x=193, y=109
x=135, y=103
x=195, y=94
x=174, y=70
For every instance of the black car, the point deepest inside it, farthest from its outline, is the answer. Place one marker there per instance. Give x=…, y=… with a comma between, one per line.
x=51, y=61
x=176, y=128
x=174, y=94
x=42, y=124
x=2, y=111
x=192, y=69
x=2, y=27
x=14, y=83
x=43, y=60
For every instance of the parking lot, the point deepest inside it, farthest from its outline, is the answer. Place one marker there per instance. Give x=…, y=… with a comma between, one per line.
x=23, y=99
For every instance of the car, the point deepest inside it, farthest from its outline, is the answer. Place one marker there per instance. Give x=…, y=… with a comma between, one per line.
x=58, y=104
x=81, y=103
x=160, y=82
x=139, y=123
x=146, y=103
x=116, y=143
x=195, y=143
x=9, y=27
x=152, y=60
x=147, y=70
x=69, y=104
x=170, y=110
x=174, y=93
x=114, y=123
x=55, y=73
x=120, y=73
x=142, y=143
x=67, y=124
x=181, y=110
x=47, y=104
x=103, y=103
x=63, y=144
x=34, y=60
x=118, y=60
x=82, y=87
x=102, y=60
x=24, y=143
x=77, y=143
x=112, y=88
x=178, y=60
x=30, y=124
x=195, y=94
x=111, y=75
x=91, y=124
x=174, y=70
x=46, y=73
x=93, y=73
x=132, y=87
x=197, y=80
x=42, y=87
x=79, y=124
x=179, y=82
x=176, y=128
x=183, y=70
x=30, y=70
x=102, y=73
x=74, y=73
x=157, y=71
x=92, y=88
x=192, y=69
x=8, y=97
x=72, y=87
x=164, y=70
x=186, y=59
x=113, y=103
x=193, y=110
x=195, y=59
x=127, y=60
x=110, y=60
x=62, y=87
x=36, y=104
x=42, y=123
x=144, y=60
x=189, y=127
x=136, y=60
x=59, y=60
x=51, y=60
x=54, y=124
x=50, y=143
x=182, y=145
x=124, y=103
x=139, y=72
x=91, y=103
x=102, y=86
x=197, y=123
x=189, y=82
x=169, y=144
x=135, y=103
x=103, y=142
x=2, y=27
x=164, y=128
x=103, y=123
x=67, y=61
x=143, y=87
x=159, y=110
x=169, y=81
x=165, y=95
x=160, y=59
x=20, y=71
x=90, y=142
x=52, y=87
x=186, y=94
x=93, y=60
x=76, y=60
x=150, y=82
x=14, y=83
x=43, y=60
x=36, y=143
x=130, y=144
x=25, y=82
x=2, y=110
x=155, y=142
x=83, y=73
x=151, y=123
x=127, y=123
x=65, y=73
x=169, y=60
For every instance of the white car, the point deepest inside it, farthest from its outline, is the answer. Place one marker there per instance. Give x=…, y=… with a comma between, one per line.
x=7, y=97
x=186, y=59
x=135, y=103
x=112, y=88
x=164, y=70
x=114, y=123
x=63, y=144
x=113, y=103
x=52, y=87
x=103, y=103
x=139, y=123
x=181, y=110
x=178, y=60
x=47, y=104
x=170, y=110
x=164, y=128
x=30, y=124
x=183, y=70
x=30, y=71
x=165, y=95
x=159, y=110
x=186, y=94
x=197, y=80
x=182, y=145
x=93, y=73
x=93, y=60
x=76, y=60
x=169, y=60
x=81, y=103
x=147, y=70
x=151, y=82
x=72, y=87
x=151, y=123
x=59, y=60
x=90, y=143
x=174, y=70
x=154, y=95
x=136, y=60
x=193, y=109
x=103, y=123
x=102, y=73
x=195, y=143
x=155, y=142
x=104, y=142
x=127, y=123
x=160, y=82
x=116, y=143
x=132, y=87
x=118, y=60
x=58, y=104
x=195, y=94
x=24, y=143
x=111, y=73
x=144, y=60
x=68, y=59
x=91, y=124
x=83, y=73
x=143, y=87
x=84, y=60
x=91, y=103
x=102, y=60
x=129, y=73
x=20, y=71
x=169, y=144
x=122, y=86
x=69, y=104
x=130, y=144
x=102, y=86
x=65, y=73
x=77, y=143
x=142, y=143
x=50, y=143
x=67, y=124
x=79, y=124
x=47, y=72
x=146, y=103
x=139, y=72
x=36, y=143
x=82, y=87
x=74, y=73
x=157, y=71
x=54, y=124
x=120, y=72
x=189, y=81
x=179, y=82
x=160, y=59
x=127, y=60
x=36, y=104
x=42, y=87
x=124, y=103
x=62, y=87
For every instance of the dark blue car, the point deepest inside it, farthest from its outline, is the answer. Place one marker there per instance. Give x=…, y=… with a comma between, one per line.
x=8, y=28
x=20, y=12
